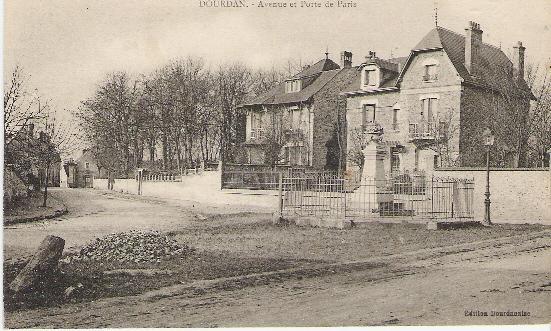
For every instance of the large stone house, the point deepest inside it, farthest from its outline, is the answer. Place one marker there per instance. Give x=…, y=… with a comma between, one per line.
x=295, y=123
x=424, y=110
x=431, y=109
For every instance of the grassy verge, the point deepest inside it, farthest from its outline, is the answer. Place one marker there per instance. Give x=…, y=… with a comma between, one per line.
x=262, y=239
x=30, y=209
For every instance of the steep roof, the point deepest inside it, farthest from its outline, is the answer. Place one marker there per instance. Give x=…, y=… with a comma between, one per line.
x=322, y=65
x=321, y=72
x=493, y=67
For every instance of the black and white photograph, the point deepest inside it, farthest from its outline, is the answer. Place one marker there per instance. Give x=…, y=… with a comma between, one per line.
x=285, y=163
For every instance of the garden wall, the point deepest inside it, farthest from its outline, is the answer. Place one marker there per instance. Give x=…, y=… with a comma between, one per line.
x=517, y=195
x=202, y=188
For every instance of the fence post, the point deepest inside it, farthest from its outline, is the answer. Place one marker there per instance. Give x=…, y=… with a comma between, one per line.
x=432, y=198
x=140, y=182
x=280, y=195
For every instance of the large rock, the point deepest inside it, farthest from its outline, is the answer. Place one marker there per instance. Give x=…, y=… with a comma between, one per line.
x=42, y=265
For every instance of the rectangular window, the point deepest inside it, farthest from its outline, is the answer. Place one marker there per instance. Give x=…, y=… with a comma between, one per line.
x=430, y=72
x=368, y=114
x=394, y=163
x=294, y=155
x=87, y=165
x=395, y=119
x=292, y=86
x=429, y=109
x=256, y=125
x=370, y=78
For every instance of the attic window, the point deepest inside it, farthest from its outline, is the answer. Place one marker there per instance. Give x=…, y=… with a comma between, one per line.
x=430, y=73
x=293, y=86
x=370, y=77
x=431, y=70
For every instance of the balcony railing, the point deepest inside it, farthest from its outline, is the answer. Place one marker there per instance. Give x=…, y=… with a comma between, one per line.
x=372, y=128
x=258, y=133
x=422, y=131
x=294, y=134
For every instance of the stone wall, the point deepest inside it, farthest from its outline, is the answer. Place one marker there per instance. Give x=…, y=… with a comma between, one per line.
x=517, y=195
x=326, y=121
x=203, y=188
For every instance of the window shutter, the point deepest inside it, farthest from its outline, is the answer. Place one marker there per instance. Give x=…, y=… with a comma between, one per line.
x=364, y=116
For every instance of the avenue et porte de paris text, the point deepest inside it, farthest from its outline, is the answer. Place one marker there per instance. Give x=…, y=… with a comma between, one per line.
x=277, y=4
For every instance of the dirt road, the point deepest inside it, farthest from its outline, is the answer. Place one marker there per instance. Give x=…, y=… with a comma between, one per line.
x=93, y=214
x=445, y=290
x=427, y=287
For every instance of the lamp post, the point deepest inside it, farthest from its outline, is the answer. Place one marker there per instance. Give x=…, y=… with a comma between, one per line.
x=488, y=142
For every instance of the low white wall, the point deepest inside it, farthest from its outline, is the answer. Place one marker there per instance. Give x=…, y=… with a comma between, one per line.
x=100, y=184
x=517, y=195
x=202, y=188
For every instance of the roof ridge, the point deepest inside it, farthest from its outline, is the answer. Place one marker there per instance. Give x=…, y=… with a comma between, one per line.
x=448, y=30
x=463, y=36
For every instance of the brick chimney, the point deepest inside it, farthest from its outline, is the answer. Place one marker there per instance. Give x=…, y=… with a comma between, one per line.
x=518, y=60
x=473, y=40
x=346, y=59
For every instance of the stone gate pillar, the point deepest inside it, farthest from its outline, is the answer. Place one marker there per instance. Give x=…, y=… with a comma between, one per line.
x=374, y=166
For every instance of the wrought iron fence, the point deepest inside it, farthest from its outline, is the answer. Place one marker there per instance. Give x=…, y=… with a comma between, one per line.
x=313, y=196
x=370, y=199
x=262, y=178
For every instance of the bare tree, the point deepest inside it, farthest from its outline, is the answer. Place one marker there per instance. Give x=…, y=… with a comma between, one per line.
x=539, y=121
x=112, y=121
x=231, y=85
x=21, y=106
x=58, y=138
x=445, y=130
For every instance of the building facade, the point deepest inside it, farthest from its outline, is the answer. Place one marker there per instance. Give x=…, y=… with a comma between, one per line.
x=431, y=108
x=426, y=110
x=82, y=171
x=296, y=123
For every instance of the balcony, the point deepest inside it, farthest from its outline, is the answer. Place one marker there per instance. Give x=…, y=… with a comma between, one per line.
x=372, y=128
x=426, y=131
x=294, y=134
x=258, y=134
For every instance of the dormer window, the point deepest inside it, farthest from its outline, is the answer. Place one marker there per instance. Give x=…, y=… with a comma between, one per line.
x=370, y=77
x=431, y=70
x=293, y=86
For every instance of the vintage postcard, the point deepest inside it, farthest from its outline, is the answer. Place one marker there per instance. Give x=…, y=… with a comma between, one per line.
x=285, y=163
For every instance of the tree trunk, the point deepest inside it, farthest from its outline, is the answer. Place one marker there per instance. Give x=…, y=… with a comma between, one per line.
x=46, y=178
x=178, y=153
x=41, y=266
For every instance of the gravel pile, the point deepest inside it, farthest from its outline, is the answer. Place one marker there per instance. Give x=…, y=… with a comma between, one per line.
x=133, y=246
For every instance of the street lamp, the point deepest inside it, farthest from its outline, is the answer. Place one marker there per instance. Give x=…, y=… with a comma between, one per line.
x=488, y=142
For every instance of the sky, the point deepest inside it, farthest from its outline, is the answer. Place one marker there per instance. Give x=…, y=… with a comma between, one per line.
x=68, y=46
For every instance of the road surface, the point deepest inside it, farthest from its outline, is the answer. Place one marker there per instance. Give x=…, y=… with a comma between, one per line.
x=508, y=276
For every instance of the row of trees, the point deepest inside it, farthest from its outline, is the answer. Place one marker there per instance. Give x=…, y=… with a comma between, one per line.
x=178, y=116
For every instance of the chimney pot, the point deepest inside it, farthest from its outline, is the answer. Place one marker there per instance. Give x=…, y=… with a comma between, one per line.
x=346, y=59
x=518, y=60
x=370, y=56
x=473, y=40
